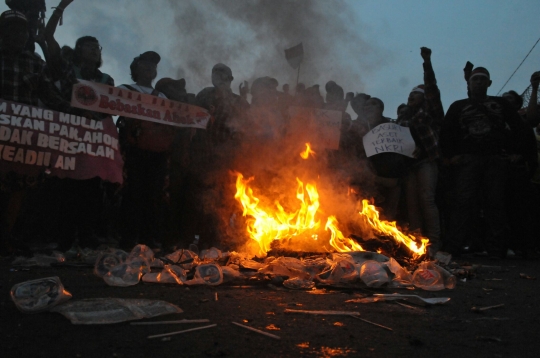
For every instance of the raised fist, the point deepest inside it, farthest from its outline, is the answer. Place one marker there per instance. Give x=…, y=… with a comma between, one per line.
x=425, y=53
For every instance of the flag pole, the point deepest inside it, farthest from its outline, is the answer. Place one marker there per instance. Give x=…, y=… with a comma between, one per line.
x=298, y=73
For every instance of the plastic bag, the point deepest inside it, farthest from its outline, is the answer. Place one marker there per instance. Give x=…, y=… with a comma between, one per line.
x=186, y=259
x=210, y=254
x=124, y=275
x=230, y=274
x=402, y=277
x=113, y=310
x=44, y=260
x=343, y=271
x=209, y=274
x=39, y=295
x=107, y=260
x=373, y=274
x=431, y=277
x=169, y=274
x=286, y=267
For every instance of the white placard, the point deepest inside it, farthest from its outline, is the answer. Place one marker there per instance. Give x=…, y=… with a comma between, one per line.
x=389, y=138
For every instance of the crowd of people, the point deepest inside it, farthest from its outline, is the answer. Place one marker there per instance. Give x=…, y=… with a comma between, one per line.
x=472, y=184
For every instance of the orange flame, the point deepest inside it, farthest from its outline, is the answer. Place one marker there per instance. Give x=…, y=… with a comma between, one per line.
x=305, y=154
x=370, y=213
x=338, y=241
x=266, y=224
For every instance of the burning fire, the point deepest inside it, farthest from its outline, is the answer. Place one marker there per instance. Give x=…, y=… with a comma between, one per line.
x=388, y=228
x=267, y=223
x=305, y=154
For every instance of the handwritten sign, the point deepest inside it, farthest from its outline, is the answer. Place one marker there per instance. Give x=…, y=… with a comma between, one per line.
x=389, y=138
x=320, y=127
x=98, y=97
x=34, y=140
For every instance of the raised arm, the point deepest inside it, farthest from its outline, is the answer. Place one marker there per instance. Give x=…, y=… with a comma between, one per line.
x=54, y=58
x=533, y=116
x=432, y=94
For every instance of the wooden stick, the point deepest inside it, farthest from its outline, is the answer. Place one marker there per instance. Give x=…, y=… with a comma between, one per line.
x=258, y=331
x=170, y=322
x=373, y=323
x=333, y=313
x=215, y=296
x=411, y=307
x=180, y=332
x=481, y=309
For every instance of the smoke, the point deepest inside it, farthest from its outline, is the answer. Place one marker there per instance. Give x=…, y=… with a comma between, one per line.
x=250, y=37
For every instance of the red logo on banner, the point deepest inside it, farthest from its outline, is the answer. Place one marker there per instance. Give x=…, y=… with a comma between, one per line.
x=86, y=95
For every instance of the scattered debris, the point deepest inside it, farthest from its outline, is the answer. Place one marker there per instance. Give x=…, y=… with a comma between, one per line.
x=258, y=331
x=180, y=332
x=331, y=313
x=373, y=323
x=215, y=296
x=482, y=309
x=527, y=277
x=272, y=327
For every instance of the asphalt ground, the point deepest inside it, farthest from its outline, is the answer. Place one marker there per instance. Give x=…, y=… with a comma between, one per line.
x=450, y=330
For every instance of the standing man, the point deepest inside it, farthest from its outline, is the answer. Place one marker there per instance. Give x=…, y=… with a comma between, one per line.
x=145, y=147
x=477, y=134
x=23, y=79
x=424, y=114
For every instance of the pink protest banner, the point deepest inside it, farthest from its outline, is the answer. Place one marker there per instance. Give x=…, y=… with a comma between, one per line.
x=121, y=102
x=34, y=140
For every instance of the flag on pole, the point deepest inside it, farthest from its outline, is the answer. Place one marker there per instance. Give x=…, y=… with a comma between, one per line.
x=295, y=55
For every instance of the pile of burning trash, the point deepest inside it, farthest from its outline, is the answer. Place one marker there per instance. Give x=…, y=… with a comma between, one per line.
x=213, y=267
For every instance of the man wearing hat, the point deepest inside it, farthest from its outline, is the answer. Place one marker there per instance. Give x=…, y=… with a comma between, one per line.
x=145, y=147
x=424, y=114
x=477, y=135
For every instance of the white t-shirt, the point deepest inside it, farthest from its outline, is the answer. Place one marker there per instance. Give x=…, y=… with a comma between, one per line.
x=143, y=89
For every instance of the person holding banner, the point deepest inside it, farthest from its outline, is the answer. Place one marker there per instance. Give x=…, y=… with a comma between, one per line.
x=385, y=169
x=424, y=117
x=83, y=202
x=146, y=147
x=23, y=79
